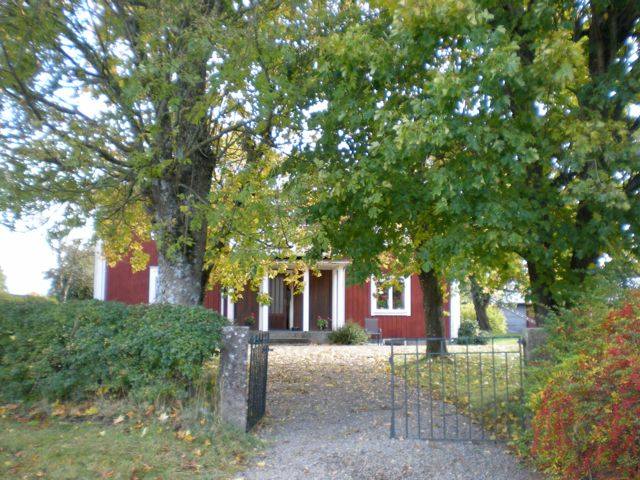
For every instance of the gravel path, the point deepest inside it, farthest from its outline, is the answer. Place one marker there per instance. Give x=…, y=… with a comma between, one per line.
x=328, y=418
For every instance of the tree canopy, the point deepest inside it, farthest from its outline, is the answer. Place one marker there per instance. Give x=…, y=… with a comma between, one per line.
x=458, y=134
x=126, y=112
x=72, y=277
x=445, y=138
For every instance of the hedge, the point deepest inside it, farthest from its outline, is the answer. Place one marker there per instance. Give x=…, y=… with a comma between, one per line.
x=77, y=350
x=586, y=420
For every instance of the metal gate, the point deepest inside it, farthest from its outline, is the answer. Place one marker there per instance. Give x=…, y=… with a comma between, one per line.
x=473, y=392
x=258, y=363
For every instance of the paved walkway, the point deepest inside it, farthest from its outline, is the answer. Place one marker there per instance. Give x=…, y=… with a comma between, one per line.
x=328, y=418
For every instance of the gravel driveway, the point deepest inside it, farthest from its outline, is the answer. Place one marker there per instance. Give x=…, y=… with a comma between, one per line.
x=328, y=418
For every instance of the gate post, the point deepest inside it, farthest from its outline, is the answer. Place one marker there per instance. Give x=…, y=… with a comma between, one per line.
x=232, y=377
x=532, y=339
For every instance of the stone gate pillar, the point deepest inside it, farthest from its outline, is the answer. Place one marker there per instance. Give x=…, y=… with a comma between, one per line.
x=232, y=377
x=533, y=338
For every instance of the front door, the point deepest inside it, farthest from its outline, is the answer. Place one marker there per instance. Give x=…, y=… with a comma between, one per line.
x=279, y=307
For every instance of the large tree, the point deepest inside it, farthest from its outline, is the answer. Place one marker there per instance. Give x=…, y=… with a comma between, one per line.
x=125, y=111
x=460, y=133
x=72, y=277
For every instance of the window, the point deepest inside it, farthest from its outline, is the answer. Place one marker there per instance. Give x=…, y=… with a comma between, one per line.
x=392, y=300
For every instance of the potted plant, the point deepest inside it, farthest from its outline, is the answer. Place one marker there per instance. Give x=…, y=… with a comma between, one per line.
x=250, y=321
x=322, y=323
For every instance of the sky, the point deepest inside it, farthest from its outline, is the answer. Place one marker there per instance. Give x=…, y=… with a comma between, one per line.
x=25, y=256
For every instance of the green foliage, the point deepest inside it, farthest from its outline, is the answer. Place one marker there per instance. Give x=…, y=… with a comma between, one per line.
x=349, y=334
x=3, y=281
x=465, y=133
x=587, y=416
x=470, y=334
x=72, y=278
x=17, y=299
x=322, y=323
x=175, y=112
x=80, y=349
x=468, y=328
x=250, y=321
x=497, y=320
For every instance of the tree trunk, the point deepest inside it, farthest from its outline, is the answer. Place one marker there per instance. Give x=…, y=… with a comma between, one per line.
x=182, y=235
x=179, y=281
x=433, y=304
x=480, y=303
x=65, y=292
x=543, y=301
x=180, y=196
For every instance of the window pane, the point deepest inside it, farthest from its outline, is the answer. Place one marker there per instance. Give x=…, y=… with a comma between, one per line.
x=398, y=298
x=382, y=299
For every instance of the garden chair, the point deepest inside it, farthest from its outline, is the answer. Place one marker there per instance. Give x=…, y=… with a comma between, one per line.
x=372, y=328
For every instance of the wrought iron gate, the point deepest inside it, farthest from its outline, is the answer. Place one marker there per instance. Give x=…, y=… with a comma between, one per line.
x=258, y=363
x=472, y=392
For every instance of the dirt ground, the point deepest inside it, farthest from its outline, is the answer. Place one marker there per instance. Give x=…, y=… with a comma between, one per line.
x=328, y=417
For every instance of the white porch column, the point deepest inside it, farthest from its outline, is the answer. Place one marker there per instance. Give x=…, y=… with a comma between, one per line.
x=99, y=274
x=263, y=310
x=454, y=309
x=230, y=308
x=291, y=309
x=305, y=302
x=334, y=299
x=342, y=282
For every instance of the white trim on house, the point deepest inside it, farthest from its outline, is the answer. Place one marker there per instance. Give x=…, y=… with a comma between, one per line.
x=334, y=299
x=405, y=311
x=454, y=309
x=331, y=264
x=305, y=301
x=99, y=274
x=153, y=284
x=341, y=277
x=263, y=310
x=230, y=309
x=291, y=306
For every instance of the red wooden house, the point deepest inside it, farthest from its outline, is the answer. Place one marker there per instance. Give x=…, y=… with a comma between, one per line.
x=328, y=296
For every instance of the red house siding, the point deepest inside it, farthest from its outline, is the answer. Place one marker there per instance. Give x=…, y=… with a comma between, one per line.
x=212, y=299
x=358, y=307
x=126, y=286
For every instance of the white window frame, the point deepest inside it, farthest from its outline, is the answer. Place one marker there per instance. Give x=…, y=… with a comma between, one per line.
x=397, y=312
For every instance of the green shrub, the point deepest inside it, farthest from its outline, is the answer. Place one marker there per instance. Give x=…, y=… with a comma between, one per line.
x=470, y=334
x=349, y=334
x=322, y=323
x=586, y=420
x=79, y=349
x=497, y=320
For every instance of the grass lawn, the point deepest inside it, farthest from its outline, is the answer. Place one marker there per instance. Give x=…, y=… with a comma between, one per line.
x=483, y=381
x=125, y=447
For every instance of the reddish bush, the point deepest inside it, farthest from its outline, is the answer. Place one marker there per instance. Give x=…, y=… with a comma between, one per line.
x=587, y=418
